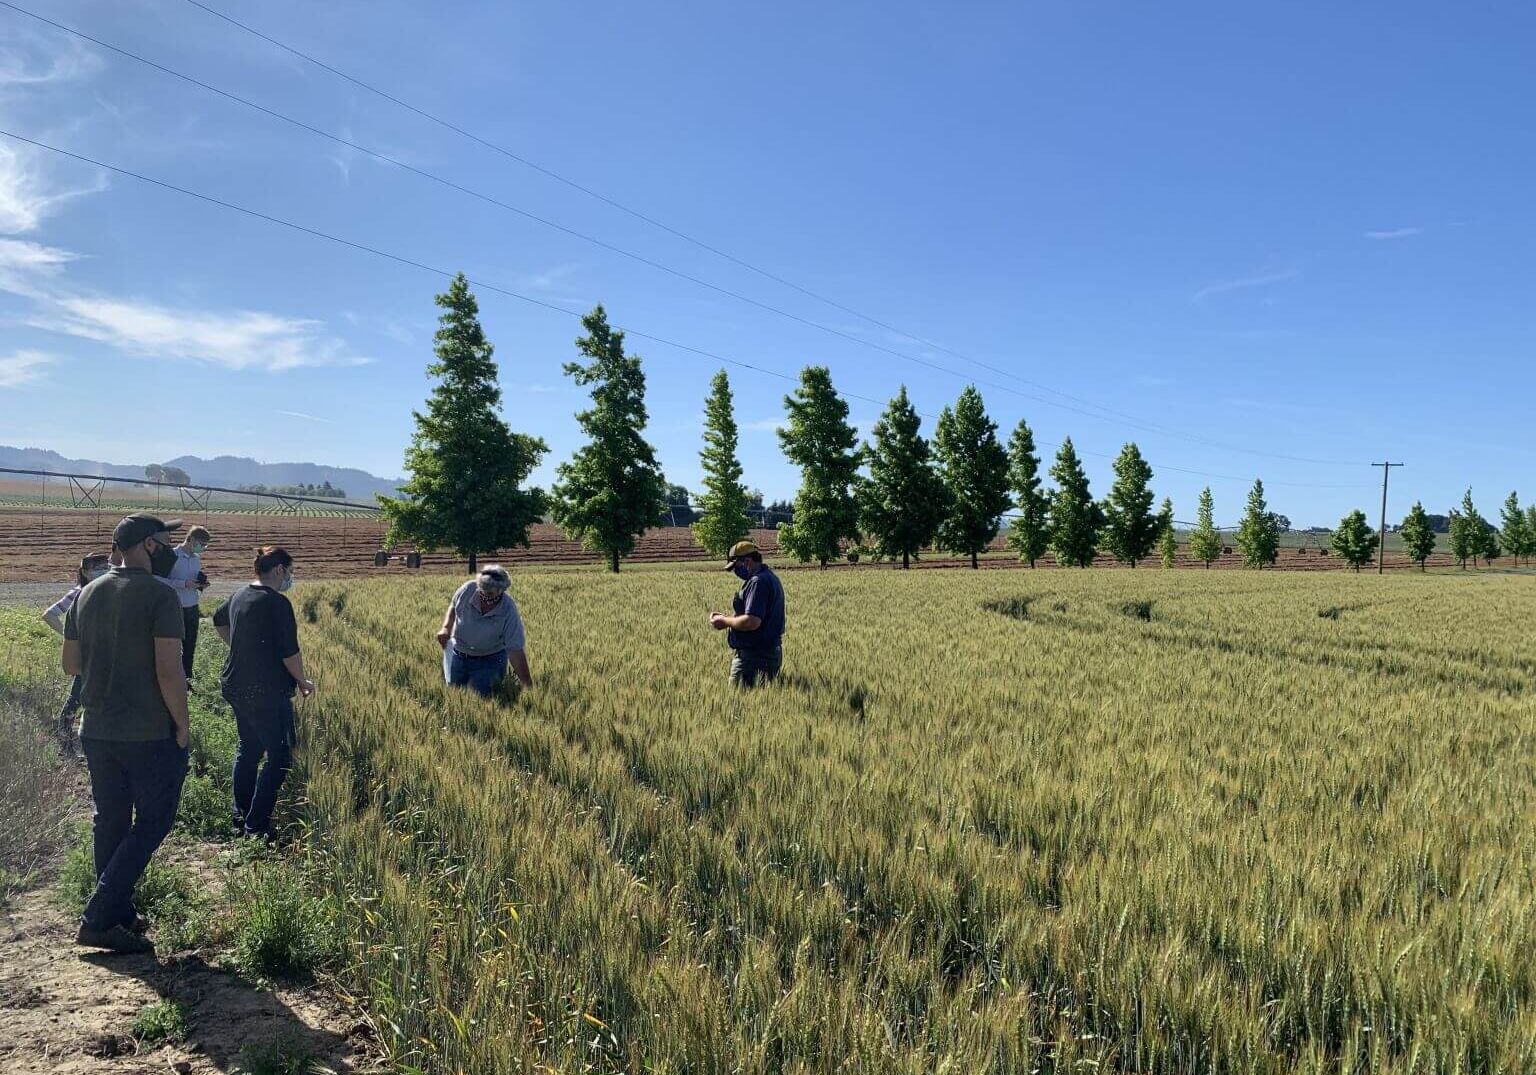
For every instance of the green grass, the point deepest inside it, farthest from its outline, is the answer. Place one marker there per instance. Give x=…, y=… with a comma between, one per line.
x=160, y=1023
x=281, y=927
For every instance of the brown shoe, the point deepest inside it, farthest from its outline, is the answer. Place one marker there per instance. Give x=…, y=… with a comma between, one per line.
x=117, y=939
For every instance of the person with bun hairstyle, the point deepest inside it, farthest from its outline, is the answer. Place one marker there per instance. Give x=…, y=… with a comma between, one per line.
x=262, y=671
x=91, y=568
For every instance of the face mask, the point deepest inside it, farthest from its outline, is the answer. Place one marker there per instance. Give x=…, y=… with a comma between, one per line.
x=196, y=549
x=287, y=582
x=742, y=572
x=96, y=574
x=162, y=560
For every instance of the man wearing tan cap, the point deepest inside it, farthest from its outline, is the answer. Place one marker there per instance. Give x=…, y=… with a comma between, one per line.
x=122, y=637
x=755, y=629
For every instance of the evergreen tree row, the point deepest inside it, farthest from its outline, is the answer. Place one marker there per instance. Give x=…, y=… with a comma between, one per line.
x=899, y=492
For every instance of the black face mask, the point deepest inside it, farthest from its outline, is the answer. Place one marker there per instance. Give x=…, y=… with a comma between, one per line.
x=162, y=560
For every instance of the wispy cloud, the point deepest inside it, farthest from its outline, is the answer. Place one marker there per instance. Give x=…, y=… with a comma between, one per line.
x=1244, y=283
x=306, y=417
x=537, y=389
x=27, y=197
x=24, y=367
x=1394, y=233
x=28, y=60
x=237, y=340
x=763, y=425
x=24, y=265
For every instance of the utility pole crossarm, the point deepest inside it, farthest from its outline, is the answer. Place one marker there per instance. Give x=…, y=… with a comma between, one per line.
x=1381, y=535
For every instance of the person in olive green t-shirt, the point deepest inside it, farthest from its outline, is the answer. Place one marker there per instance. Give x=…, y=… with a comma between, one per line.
x=123, y=638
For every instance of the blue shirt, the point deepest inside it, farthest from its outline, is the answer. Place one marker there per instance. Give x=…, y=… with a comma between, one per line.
x=184, y=571
x=762, y=596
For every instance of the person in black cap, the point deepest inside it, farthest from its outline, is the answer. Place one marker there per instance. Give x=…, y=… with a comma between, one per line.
x=755, y=628
x=122, y=637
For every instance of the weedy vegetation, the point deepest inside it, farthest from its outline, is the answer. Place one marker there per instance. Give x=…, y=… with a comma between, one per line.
x=979, y=825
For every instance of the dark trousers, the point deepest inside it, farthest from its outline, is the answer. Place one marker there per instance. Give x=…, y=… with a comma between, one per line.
x=263, y=758
x=136, y=788
x=190, y=618
x=751, y=666
x=479, y=674
x=64, y=726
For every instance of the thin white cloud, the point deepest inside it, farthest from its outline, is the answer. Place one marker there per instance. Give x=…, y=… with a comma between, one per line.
x=306, y=417
x=1394, y=233
x=537, y=389
x=27, y=197
x=28, y=60
x=1243, y=283
x=25, y=264
x=24, y=367
x=763, y=425
x=237, y=340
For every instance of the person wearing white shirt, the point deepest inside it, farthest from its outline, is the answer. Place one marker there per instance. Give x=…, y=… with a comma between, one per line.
x=187, y=579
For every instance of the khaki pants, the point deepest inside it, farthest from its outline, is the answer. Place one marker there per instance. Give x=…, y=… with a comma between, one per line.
x=748, y=666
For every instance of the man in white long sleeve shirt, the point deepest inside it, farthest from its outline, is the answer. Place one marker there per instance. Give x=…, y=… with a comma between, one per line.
x=188, y=580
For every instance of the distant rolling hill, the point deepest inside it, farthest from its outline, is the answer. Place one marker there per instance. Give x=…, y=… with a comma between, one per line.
x=224, y=470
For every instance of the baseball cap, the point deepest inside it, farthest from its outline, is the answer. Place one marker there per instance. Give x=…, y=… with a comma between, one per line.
x=139, y=526
x=740, y=549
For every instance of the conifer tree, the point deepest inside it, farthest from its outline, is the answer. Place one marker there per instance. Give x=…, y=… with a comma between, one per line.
x=1258, y=535
x=1205, y=541
x=903, y=500
x=1513, y=534
x=612, y=489
x=723, y=518
x=1417, y=537
x=1354, y=541
x=818, y=439
x=1530, y=529
x=1468, y=532
x=1168, y=542
x=974, y=468
x=467, y=468
x=1075, y=518
x=1030, y=532
x=1130, y=527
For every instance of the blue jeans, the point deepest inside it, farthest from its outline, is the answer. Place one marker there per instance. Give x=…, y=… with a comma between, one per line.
x=479, y=674
x=263, y=757
x=136, y=788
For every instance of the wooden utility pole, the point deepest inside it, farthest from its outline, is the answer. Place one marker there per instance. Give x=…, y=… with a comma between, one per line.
x=1381, y=545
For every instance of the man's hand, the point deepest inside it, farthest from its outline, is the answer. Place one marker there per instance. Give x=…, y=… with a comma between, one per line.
x=183, y=736
x=443, y=635
x=306, y=687
x=718, y=621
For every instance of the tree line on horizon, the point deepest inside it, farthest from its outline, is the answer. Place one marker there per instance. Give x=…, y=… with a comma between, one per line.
x=888, y=498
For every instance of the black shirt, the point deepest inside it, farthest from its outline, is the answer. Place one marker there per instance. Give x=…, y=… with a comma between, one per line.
x=762, y=596
x=262, y=634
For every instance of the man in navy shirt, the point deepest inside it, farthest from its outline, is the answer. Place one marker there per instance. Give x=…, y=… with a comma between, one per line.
x=755, y=630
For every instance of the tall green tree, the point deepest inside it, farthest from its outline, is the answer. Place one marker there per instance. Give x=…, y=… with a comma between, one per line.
x=1417, y=536
x=1514, y=533
x=467, y=468
x=1530, y=528
x=1075, y=518
x=612, y=490
x=1029, y=534
x=1130, y=527
x=819, y=440
x=1205, y=541
x=723, y=518
x=1468, y=532
x=903, y=500
x=1258, y=535
x=974, y=468
x=1167, y=540
x=1354, y=541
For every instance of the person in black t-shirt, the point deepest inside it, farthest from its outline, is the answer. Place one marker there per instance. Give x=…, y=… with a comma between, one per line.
x=262, y=671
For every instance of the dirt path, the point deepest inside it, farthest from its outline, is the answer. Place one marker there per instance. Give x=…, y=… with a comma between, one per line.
x=67, y=1011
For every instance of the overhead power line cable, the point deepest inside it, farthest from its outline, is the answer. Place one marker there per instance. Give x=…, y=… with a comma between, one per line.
x=486, y=285
x=1105, y=411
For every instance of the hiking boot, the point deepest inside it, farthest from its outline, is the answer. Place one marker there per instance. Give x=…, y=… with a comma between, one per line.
x=138, y=924
x=117, y=939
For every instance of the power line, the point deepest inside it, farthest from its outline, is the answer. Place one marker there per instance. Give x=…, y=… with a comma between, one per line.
x=1122, y=416
x=487, y=285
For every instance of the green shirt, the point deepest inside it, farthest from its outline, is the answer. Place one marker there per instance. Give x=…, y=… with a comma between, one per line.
x=116, y=621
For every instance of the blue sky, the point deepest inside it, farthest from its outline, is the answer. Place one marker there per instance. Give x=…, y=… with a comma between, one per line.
x=1299, y=229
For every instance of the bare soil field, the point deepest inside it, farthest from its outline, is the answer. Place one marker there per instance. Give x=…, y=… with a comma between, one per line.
x=45, y=546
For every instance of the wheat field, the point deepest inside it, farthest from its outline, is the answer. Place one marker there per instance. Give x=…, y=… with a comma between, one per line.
x=993, y=822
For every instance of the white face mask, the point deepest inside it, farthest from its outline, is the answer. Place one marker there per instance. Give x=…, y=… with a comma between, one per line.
x=287, y=583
